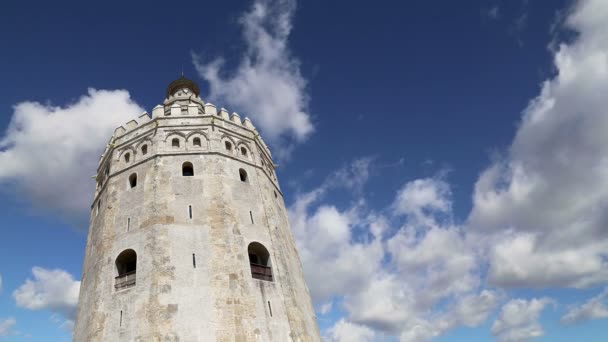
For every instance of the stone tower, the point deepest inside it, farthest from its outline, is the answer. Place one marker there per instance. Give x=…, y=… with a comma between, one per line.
x=189, y=238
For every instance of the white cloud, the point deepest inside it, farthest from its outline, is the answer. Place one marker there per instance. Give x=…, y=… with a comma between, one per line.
x=423, y=197
x=6, y=326
x=413, y=276
x=345, y=331
x=594, y=308
x=546, y=202
x=518, y=320
x=53, y=290
x=267, y=85
x=50, y=152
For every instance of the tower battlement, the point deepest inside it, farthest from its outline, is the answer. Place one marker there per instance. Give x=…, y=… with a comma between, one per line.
x=189, y=238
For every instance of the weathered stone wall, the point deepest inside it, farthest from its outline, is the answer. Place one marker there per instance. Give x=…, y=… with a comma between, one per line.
x=218, y=300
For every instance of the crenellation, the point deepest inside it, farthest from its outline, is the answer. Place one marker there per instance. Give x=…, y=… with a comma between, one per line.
x=235, y=118
x=175, y=109
x=210, y=109
x=247, y=123
x=158, y=111
x=224, y=114
x=193, y=109
x=131, y=125
x=143, y=119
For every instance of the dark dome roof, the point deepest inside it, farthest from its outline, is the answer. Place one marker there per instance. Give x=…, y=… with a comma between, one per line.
x=180, y=83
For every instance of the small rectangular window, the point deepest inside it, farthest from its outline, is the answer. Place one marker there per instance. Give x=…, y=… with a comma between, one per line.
x=190, y=211
x=251, y=216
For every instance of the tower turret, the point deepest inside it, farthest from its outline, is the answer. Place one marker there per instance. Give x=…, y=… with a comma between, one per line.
x=189, y=238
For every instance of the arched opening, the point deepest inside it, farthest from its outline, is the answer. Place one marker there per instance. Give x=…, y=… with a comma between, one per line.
x=196, y=142
x=187, y=169
x=144, y=150
x=127, y=157
x=175, y=142
x=244, y=151
x=259, y=261
x=228, y=145
x=243, y=175
x=126, y=268
x=133, y=180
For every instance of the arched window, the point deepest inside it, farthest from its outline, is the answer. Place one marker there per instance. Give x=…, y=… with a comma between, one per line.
x=144, y=150
x=127, y=157
x=259, y=261
x=244, y=151
x=243, y=175
x=175, y=142
x=126, y=268
x=228, y=145
x=187, y=169
x=196, y=142
x=133, y=180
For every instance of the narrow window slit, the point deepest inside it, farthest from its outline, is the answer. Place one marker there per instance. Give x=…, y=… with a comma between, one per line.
x=193, y=260
x=120, y=323
x=190, y=211
x=251, y=216
x=270, y=308
x=128, y=223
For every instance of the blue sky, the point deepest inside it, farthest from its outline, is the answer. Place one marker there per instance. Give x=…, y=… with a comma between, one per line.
x=451, y=156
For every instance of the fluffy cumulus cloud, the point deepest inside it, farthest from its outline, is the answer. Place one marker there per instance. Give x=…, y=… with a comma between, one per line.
x=546, y=202
x=344, y=331
x=52, y=290
x=518, y=320
x=50, y=152
x=594, y=308
x=6, y=326
x=404, y=271
x=267, y=84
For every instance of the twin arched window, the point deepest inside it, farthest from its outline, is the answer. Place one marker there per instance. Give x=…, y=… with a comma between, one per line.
x=126, y=268
x=259, y=261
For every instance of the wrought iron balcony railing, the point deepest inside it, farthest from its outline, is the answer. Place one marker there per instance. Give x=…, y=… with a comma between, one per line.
x=261, y=272
x=124, y=281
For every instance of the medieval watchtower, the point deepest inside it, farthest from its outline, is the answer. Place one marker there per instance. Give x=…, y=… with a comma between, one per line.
x=189, y=238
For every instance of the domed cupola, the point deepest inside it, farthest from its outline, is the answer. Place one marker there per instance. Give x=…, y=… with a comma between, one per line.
x=183, y=85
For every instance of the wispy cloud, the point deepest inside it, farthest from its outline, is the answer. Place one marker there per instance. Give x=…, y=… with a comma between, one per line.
x=6, y=326
x=267, y=84
x=594, y=308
